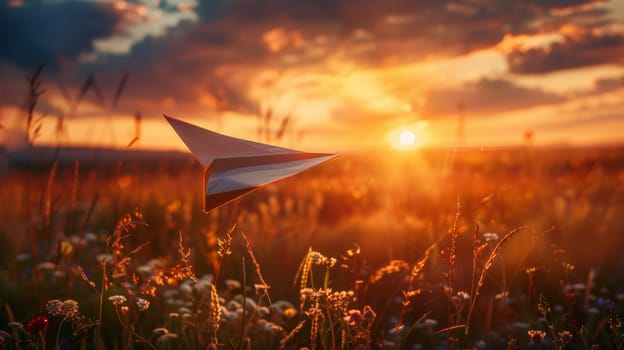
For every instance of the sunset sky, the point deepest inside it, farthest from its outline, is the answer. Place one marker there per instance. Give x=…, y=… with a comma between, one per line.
x=332, y=74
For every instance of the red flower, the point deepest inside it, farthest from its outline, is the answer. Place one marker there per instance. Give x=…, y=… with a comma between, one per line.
x=37, y=324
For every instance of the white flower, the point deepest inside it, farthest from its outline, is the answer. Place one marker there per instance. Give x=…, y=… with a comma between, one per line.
x=117, y=299
x=142, y=304
x=463, y=295
x=69, y=308
x=108, y=258
x=91, y=237
x=54, y=307
x=430, y=322
x=232, y=284
x=490, y=237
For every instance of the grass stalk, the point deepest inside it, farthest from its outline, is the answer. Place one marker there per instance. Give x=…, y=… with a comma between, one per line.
x=243, y=321
x=486, y=268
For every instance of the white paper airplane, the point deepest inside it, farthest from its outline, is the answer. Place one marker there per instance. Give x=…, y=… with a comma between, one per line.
x=233, y=166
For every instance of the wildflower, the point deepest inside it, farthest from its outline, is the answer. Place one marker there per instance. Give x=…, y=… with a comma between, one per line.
x=167, y=337
x=37, y=324
x=317, y=258
x=542, y=305
x=47, y=265
x=502, y=296
x=306, y=293
x=614, y=321
x=117, y=299
x=91, y=237
x=185, y=311
x=353, y=317
x=232, y=284
x=261, y=289
x=397, y=330
x=430, y=323
x=142, y=304
x=104, y=258
x=490, y=237
x=159, y=331
x=568, y=266
x=69, y=308
x=145, y=270
x=536, y=336
x=369, y=314
x=480, y=344
x=170, y=293
x=3, y=338
x=54, y=307
x=330, y=262
x=269, y=327
x=249, y=304
x=186, y=290
x=565, y=337
x=531, y=270
x=263, y=311
x=15, y=325
x=578, y=287
x=461, y=295
x=22, y=257
x=207, y=278
x=75, y=241
x=290, y=312
x=128, y=285
x=512, y=344
x=232, y=305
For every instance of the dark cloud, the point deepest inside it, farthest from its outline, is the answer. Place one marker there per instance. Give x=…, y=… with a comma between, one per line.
x=398, y=30
x=204, y=56
x=184, y=69
x=216, y=55
x=581, y=48
x=484, y=97
x=14, y=89
x=609, y=84
x=45, y=33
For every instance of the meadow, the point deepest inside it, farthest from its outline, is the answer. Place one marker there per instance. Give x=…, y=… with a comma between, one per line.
x=510, y=248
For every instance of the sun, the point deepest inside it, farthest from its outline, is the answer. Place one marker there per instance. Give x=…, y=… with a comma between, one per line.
x=408, y=137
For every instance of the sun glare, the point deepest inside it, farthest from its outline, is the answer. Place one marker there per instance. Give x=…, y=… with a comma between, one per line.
x=408, y=137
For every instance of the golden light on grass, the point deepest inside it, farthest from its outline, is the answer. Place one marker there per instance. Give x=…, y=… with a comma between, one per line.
x=408, y=137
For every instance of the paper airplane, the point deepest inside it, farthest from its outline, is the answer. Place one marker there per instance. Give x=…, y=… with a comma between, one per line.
x=234, y=167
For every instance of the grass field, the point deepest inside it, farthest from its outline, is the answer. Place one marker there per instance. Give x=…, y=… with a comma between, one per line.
x=431, y=249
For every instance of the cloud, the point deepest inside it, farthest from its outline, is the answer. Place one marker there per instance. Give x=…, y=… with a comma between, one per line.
x=47, y=33
x=214, y=61
x=212, y=64
x=579, y=47
x=485, y=97
x=608, y=84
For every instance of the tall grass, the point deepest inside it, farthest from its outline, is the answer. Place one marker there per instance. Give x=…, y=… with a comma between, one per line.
x=396, y=252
